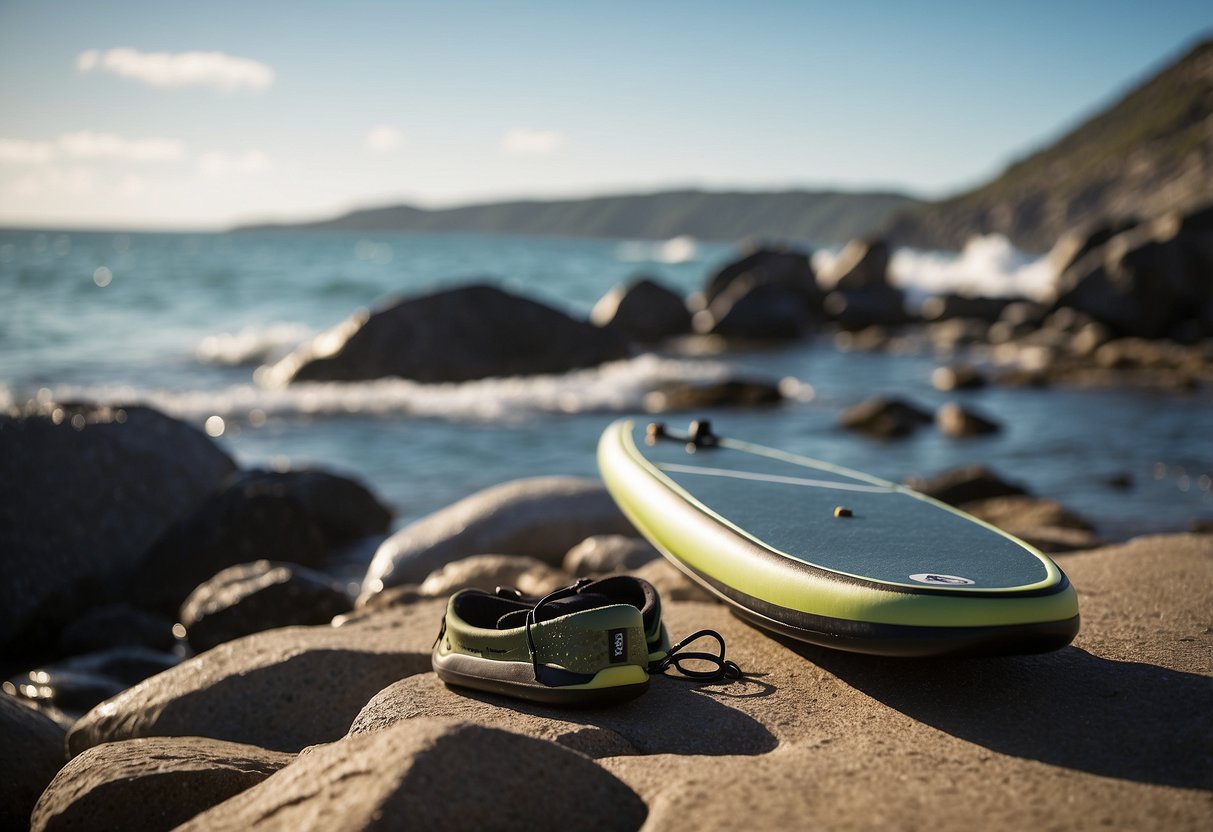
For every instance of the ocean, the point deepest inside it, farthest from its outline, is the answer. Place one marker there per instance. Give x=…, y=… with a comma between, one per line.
x=183, y=321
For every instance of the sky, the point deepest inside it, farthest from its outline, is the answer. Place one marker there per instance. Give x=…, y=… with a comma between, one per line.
x=170, y=114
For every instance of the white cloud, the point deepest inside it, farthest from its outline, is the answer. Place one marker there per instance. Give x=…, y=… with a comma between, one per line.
x=89, y=145
x=384, y=138
x=73, y=181
x=219, y=165
x=525, y=141
x=24, y=152
x=180, y=69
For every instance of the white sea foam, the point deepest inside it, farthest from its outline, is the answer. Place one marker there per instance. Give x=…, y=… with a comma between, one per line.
x=988, y=266
x=615, y=387
x=681, y=249
x=252, y=345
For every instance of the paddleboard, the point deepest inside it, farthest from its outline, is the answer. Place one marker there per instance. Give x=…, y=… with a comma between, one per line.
x=832, y=556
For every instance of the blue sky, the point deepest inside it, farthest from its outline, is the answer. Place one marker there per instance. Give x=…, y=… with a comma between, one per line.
x=305, y=109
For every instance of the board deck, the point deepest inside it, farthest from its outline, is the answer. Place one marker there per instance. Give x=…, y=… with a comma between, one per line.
x=834, y=556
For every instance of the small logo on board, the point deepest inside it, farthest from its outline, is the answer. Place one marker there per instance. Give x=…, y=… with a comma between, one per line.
x=617, y=645
x=941, y=580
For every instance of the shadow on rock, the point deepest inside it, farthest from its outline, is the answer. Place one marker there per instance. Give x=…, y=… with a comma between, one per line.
x=1129, y=720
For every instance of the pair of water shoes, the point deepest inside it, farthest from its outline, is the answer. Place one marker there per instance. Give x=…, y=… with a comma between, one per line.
x=594, y=642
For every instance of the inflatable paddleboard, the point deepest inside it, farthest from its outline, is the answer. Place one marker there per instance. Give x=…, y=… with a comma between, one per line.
x=832, y=556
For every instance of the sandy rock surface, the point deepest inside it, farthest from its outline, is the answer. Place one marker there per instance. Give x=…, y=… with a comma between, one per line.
x=150, y=784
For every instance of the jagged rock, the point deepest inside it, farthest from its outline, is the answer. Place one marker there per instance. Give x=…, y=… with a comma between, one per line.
x=253, y=517
x=252, y=597
x=433, y=774
x=528, y=575
x=789, y=269
x=1076, y=243
x=31, y=751
x=116, y=625
x=957, y=377
x=126, y=473
x=150, y=784
x=958, y=422
x=78, y=683
x=884, y=417
x=644, y=310
x=281, y=689
x=606, y=553
x=964, y=485
x=756, y=311
x=459, y=334
x=542, y=517
x=695, y=395
x=862, y=264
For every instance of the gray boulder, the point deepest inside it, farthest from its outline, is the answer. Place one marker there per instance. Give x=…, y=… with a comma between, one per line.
x=756, y=311
x=281, y=689
x=84, y=491
x=885, y=417
x=31, y=752
x=469, y=332
x=151, y=784
x=643, y=310
x=606, y=553
x=732, y=392
x=116, y=625
x=433, y=774
x=251, y=597
x=964, y=485
x=862, y=264
x=958, y=422
x=1076, y=243
x=787, y=268
x=948, y=306
x=541, y=517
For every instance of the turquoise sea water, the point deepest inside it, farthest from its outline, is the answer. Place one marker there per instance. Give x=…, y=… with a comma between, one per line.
x=181, y=321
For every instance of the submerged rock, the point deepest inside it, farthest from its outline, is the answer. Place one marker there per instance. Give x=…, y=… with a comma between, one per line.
x=1046, y=524
x=31, y=751
x=732, y=392
x=959, y=422
x=541, y=517
x=964, y=485
x=957, y=377
x=886, y=418
x=252, y=597
x=126, y=473
x=644, y=310
x=150, y=784
x=434, y=774
x=461, y=334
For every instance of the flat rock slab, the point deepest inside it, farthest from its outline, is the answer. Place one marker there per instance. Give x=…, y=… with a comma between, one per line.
x=281, y=689
x=31, y=751
x=150, y=784
x=433, y=774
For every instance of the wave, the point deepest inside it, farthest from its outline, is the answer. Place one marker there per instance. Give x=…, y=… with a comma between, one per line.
x=252, y=345
x=682, y=249
x=619, y=386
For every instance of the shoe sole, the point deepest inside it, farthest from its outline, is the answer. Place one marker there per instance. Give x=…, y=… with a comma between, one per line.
x=517, y=679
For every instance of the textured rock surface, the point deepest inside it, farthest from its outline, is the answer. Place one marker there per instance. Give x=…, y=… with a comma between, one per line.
x=31, y=751
x=605, y=553
x=282, y=689
x=434, y=774
x=127, y=474
x=541, y=517
x=885, y=418
x=643, y=310
x=77, y=683
x=458, y=334
x=1046, y=524
x=528, y=575
x=964, y=484
x=788, y=269
x=150, y=784
x=257, y=596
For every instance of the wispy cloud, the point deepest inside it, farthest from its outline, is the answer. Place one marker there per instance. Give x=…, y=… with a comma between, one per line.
x=24, y=152
x=89, y=145
x=219, y=70
x=523, y=141
x=384, y=138
x=219, y=165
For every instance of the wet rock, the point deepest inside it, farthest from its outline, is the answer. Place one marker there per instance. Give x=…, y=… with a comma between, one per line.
x=756, y=311
x=868, y=339
x=459, y=334
x=542, y=517
x=886, y=418
x=434, y=774
x=1024, y=315
x=643, y=310
x=280, y=689
x=860, y=308
x=150, y=784
x=257, y=596
x=965, y=485
x=958, y=422
x=1121, y=481
x=787, y=268
x=950, y=334
x=949, y=306
x=116, y=625
x=78, y=683
x=31, y=751
x=127, y=474
x=1046, y=524
x=1202, y=526
x=342, y=508
x=1076, y=243
x=252, y=518
x=1089, y=338
x=696, y=395
x=528, y=575
x=606, y=553
x=862, y=264
x=957, y=377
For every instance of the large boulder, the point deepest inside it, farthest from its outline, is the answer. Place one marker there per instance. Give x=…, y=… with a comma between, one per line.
x=787, y=268
x=1149, y=280
x=342, y=508
x=695, y=395
x=862, y=264
x=433, y=774
x=1076, y=243
x=31, y=751
x=251, y=597
x=116, y=625
x=153, y=784
x=606, y=553
x=84, y=491
x=885, y=417
x=643, y=310
x=542, y=517
x=281, y=689
x=756, y=311
x=459, y=334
